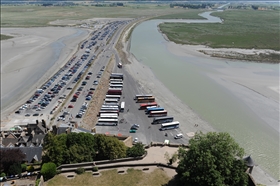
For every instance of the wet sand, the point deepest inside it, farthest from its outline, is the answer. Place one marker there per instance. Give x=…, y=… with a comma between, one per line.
x=31, y=58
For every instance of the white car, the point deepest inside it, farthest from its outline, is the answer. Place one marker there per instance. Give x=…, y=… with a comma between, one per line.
x=178, y=136
x=135, y=140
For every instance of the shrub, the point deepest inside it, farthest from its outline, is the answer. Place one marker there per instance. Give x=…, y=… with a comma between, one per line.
x=48, y=170
x=23, y=167
x=30, y=168
x=2, y=174
x=14, y=169
x=80, y=170
x=95, y=169
x=37, y=182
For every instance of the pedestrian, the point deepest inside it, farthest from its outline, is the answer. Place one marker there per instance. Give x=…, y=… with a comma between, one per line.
x=127, y=110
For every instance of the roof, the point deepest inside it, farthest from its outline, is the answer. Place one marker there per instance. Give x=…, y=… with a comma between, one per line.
x=30, y=152
x=249, y=161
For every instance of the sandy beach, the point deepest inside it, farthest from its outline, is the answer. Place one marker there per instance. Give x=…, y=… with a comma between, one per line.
x=31, y=58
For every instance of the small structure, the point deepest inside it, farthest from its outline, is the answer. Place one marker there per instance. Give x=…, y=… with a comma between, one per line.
x=250, y=163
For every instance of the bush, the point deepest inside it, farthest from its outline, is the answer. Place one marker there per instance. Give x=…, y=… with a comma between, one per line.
x=14, y=169
x=80, y=170
x=135, y=151
x=95, y=169
x=2, y=174
x=48, y=170
x=37, y=182
x=23, y=167
x=30, y=168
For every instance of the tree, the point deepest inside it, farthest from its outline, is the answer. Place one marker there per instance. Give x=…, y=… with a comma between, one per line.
x=14, y=169
x=48, y=170
x=212, y=159
x=137, y=150
x=109, y=147
x=9, y=157
x=55, y=149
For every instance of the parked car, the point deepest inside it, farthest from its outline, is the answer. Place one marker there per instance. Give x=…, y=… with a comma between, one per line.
x=132, y=131
x=178, y=136
x=70, y=106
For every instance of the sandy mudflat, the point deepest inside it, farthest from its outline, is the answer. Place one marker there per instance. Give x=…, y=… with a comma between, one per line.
x=30, y=58
x=258, y=87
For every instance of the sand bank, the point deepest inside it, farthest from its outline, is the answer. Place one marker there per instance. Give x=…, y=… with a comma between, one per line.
x=257, y=87
x=32, y=57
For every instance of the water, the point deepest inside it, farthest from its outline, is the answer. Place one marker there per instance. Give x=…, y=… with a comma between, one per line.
x=213, y=102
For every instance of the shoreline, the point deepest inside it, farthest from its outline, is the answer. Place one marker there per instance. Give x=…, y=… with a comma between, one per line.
x=32, y=55
x=246, y=55
x=148, y=80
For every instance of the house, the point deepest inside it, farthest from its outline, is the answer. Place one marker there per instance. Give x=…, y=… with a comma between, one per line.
x=28, y=138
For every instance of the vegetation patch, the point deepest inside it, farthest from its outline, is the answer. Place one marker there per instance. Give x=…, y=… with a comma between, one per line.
x=5, y=37
x=188, y=14
x=246, y=29
x=131, y=178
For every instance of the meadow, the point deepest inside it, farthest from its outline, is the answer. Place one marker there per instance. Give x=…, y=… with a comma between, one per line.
x=133, y=177
x=244, y=29
x=36, y=16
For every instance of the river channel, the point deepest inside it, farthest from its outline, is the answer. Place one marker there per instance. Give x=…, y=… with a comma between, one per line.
x=196, y=81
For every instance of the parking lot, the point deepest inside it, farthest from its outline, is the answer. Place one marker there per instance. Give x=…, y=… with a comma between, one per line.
x=146, y=132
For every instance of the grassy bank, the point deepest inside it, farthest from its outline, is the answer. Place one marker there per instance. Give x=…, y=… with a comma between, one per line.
x=188, y=14
x=24, y=16
x=4, y=37
x=111, y=177
x=245, y=29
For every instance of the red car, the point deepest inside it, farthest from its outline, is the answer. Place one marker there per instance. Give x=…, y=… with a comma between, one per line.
x=70, y=106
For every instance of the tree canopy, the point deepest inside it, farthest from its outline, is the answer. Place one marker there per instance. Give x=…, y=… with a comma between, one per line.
x=81, y=147
x=212, y=159
x=136, y=150
x=11, y=160
x=48, y=170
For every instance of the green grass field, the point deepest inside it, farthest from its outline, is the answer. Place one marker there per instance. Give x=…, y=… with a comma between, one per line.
x=108, y=178
x=188, y=14
x=34, y=16
x=4, y=37
x=241, y=29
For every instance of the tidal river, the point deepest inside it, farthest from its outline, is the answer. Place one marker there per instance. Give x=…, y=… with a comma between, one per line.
x=207, y=86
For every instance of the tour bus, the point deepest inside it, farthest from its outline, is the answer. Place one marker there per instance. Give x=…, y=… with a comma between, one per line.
x=116, y=76
x=110, y=104
x=145, y=105
x=109, y=108
x=116, y=82
x=148, y=110
x=116, y=86
x=171, y=125
x=108, y=122
x=113, y=97
x=158, y=113
x=164, y=119
x=108, y=112
x=143, y=95
x=108, y=117
x=111, y=100
x=145, y=100
x=122, y=106
x=151, y=107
